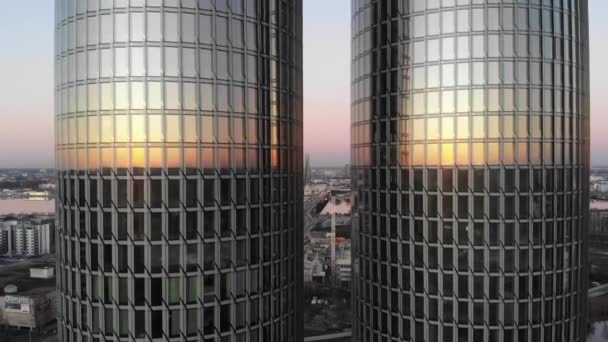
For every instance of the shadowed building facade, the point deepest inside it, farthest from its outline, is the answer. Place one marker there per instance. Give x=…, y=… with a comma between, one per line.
x=179, y=165
x=470, y=147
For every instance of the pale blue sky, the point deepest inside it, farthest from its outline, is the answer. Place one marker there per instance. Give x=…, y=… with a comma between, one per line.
x=26, y=83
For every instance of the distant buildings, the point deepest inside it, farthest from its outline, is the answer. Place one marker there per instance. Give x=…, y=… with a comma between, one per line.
x=25, y=238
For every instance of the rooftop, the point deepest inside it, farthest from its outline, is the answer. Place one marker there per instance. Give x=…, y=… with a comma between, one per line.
x=17, y=272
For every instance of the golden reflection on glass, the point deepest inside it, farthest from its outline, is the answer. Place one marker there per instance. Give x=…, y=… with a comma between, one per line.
x=494, y=154
x=239, y=130
x=478, y=154
x=419, y=104
x=463, y=127
x=155, y=95
x=493, y=100
x=107, y=96
x=478, y=127
x=155, y=157
x=252, y=131
x=223, y=125
x=121, y=95
x=73, y=161
x=493, y=127
x=173, y=133
x=447, y=101
x=207, y=135
x=190, y=158
x=207, y=158
x=174, y=158
x=93, y=90
x=418, y=129
x=138, y=95
x=72, y=131
x=82, y=159
x=190, y=128
x=522, y=153
x=432, y=129
x=447, y=154
x=463, y=101
x=508, y=157
x=239, y=158
x=189, y=94
x=122, y=128
x=479, y=104
x=274, y=138
x=93, y=131
x=107, y=129
x=447, y=128
x=122, y=158
x=107, y=156
x=224, y=158
x=93, y=158
x=432, y=154
x=65, y=134
x=522, y=127
x=508, y=130
x=82, y=129
x=253, y=158
x=433, y=102
x=155, y=128
x=418, y=157
x=462, y=153
x=138, y=128
x=138, y=157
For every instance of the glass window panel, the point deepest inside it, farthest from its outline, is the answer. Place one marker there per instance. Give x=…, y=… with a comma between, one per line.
x=171, y=27
x=447, y=101
x=479, y=104
x=206, y=64
x=107, y=63
x=154, y=95
x=447, y=24
x=462, y=153
x=188, y=29
x=433, y=76
x=447, y=128
x=433, y=23
x=138, y=95
x=155, y=128
x=447, y=75
x=106, y=29
x=463, y=127
x=154, y=61
x=107, y=129
x=138, y=64
x=448, y=48
x=138, y=128
x=479, y=46
x=173, y=133
x=137, y=27
x=206, y=97
x=478, y=154
x=188, y=62
x=463, y=20
x=462, y=101
x=478, y=22
x=432, y=129
x=189, y=94
x=207, y=129
x=204, y=32
x=433, y=102
x=172, y=98
x=107, y=96
x=171, y=61
x=153, y=27
x=121, y=95
x=478, y=127
x=121, y=25
x=463, y=47
x=190, y=129
x=433, y=53
x=463, y=74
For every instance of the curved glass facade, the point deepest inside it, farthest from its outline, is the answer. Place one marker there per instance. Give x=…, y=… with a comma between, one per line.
x=179, y=158
x=470, y=146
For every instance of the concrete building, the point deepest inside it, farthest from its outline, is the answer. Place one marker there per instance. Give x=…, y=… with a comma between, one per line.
x=470, y=126
x=30, y=238
x=26, y=302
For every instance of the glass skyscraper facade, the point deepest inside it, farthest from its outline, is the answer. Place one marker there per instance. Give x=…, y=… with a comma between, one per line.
x=179, y=165
x=470, y=146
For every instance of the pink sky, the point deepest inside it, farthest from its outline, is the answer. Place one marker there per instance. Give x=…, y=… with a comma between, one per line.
x=26, y=90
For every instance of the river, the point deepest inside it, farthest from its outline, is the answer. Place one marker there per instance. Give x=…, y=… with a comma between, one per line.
x=23, y=206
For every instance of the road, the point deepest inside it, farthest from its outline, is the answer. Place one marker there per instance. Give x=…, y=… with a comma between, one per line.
x=310, y=219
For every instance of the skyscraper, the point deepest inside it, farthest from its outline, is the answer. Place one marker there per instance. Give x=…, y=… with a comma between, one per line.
x=470, y=125
x=179, y=158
